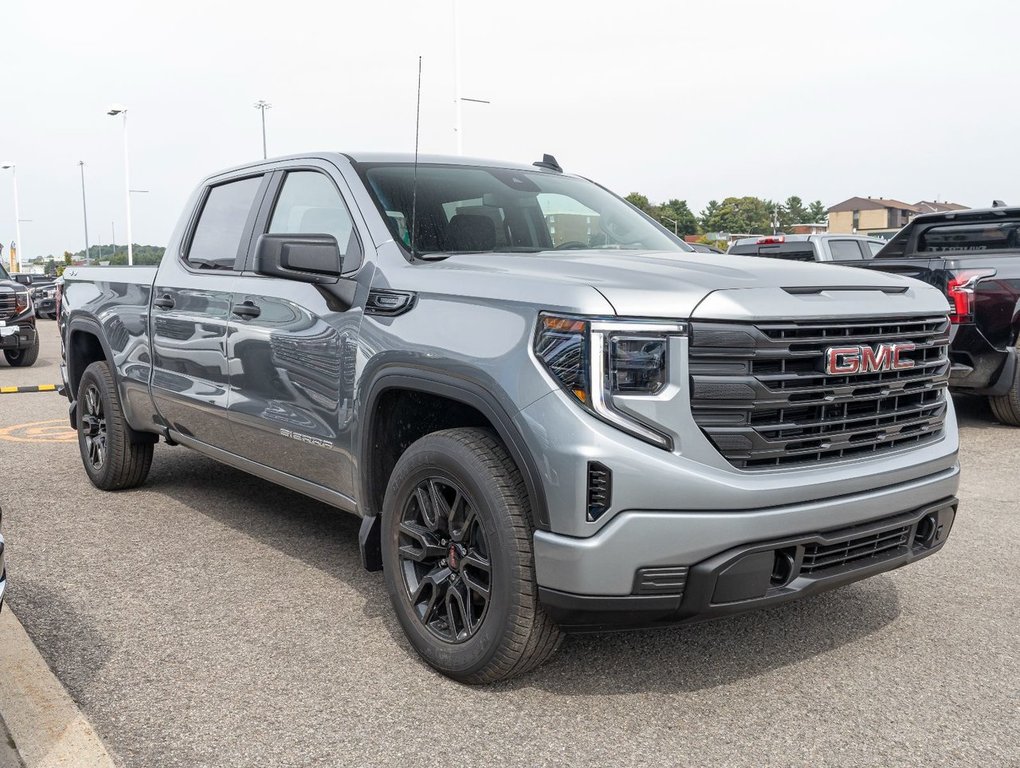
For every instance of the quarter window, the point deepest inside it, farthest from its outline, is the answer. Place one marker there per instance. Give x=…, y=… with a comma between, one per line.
x=217, y=238
x=309, y=204
x=845, y=250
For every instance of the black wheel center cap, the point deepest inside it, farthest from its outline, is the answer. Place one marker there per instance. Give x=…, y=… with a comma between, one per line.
x=455, y=556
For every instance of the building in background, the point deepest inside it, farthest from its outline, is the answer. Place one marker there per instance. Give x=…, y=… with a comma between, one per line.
x=880, y=216
x=868, y=214
x=934, y=206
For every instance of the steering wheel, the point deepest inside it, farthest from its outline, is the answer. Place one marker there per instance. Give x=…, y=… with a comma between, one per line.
x=572, y=245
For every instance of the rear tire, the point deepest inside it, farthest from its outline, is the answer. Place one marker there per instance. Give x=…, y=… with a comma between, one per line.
x=1006, y=408
x=115, y=456
x=22, y=358
x=458, y=558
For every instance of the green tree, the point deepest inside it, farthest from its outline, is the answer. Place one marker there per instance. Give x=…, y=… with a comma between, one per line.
x=708, y=214
x=640, y=201
x=739, y=214
x=794, y=211
x=677, y=210
x=816, y=212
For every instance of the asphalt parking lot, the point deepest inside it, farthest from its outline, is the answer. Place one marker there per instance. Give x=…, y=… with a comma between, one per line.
x=212, y=619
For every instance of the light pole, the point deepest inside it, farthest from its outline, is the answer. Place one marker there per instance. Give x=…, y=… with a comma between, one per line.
x=457, y=98
x=676, y=224
x=119, y=109
x=456, y=80
x=84, y=212
x=262, y=105
x=17, y=212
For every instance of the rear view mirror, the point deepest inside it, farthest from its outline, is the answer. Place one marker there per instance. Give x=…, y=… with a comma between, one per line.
x=305, y=258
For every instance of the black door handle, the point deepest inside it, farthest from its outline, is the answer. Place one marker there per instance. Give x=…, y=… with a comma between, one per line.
x=246, y=310
x=166, y=301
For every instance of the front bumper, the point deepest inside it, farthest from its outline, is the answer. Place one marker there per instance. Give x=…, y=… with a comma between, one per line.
x=22, y=338
x=760, y=574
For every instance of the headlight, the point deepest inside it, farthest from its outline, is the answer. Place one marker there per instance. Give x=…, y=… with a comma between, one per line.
x=22, y=302
x=595, y=360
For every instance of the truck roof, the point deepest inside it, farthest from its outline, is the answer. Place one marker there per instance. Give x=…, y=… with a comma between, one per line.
x=382, y=157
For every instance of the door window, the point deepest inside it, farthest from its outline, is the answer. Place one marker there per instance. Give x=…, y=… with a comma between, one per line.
x=309, y=204
x=217, y=238
x=845, y=250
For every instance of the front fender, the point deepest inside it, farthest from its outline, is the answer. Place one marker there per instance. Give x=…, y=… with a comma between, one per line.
x=485, y=397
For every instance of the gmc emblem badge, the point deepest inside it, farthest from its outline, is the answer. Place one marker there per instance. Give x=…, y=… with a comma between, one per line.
x=843, y=361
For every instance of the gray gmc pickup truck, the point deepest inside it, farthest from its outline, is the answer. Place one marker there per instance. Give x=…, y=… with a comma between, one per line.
x=549, y=413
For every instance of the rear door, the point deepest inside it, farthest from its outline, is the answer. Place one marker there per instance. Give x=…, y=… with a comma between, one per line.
x=191, y=299
x=292, y=346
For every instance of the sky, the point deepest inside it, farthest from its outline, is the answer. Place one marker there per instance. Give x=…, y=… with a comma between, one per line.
x=694, y=100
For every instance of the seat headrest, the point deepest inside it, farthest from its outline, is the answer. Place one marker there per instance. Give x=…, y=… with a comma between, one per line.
x=470, y=232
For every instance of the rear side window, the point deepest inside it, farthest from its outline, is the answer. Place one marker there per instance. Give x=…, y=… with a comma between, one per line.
x=309, y=204
x=986, y=236
x=744, y=250
x=845, y=250
x=874, y=248
x=795, y=251
x=216, y=241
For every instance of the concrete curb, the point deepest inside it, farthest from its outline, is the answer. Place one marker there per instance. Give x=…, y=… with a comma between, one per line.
x=48, y=728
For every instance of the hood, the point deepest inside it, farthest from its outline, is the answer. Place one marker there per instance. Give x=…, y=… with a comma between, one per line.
x=689, y=285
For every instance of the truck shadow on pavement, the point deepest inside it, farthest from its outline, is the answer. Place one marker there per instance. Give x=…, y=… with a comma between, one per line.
x=688, y=658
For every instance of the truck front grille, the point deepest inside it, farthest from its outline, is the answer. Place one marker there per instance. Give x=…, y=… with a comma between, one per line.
x=6, y=306
x=760, y=392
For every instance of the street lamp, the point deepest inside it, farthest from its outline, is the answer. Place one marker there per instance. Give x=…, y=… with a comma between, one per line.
x=17, y=213
x=262, y=105
x=84, y=212
x=457, y=98
x=119, y=109
x=674, y=222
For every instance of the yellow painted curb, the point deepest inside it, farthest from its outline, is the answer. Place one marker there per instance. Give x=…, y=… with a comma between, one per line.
x=45, y=723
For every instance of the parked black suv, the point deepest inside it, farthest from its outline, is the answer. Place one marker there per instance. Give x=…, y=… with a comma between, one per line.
x=974, y=258
x=18, y=338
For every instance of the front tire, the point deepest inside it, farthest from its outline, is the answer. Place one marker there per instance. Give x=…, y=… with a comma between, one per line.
x=458, y=558
x=1006, y=408
x=114, y=456
x=23, y=358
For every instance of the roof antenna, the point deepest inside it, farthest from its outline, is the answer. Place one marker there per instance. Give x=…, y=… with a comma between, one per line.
x=548, y=161
x=414, y=181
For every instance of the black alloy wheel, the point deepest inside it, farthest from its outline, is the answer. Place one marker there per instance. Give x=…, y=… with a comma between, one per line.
x=93, y=426
x=115, y=457
x=444, y=560
x=458, y=558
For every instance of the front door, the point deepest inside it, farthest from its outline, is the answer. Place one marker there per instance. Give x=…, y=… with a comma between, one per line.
x=292, y=346
x=189, y=313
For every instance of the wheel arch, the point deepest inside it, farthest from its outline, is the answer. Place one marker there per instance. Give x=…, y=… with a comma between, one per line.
x=373, y=477
x=83, y=346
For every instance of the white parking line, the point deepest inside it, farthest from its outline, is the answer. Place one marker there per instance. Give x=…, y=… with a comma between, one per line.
x=48, y=728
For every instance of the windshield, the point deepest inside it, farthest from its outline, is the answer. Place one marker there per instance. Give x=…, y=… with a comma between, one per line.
x=467, y=209
x=3, y=273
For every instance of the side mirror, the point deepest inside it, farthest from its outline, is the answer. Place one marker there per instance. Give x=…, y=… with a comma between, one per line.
x=305, y=258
